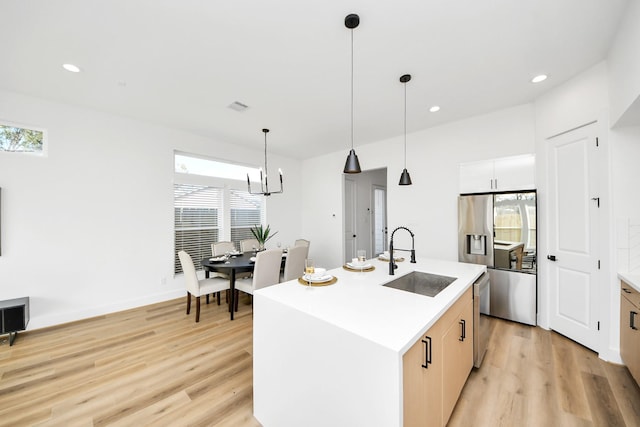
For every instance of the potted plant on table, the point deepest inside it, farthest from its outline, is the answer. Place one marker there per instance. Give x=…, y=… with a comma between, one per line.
x=262, y=235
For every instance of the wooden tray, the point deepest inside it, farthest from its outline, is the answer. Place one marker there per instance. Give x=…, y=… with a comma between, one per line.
x=358, y=270
x=327, y=283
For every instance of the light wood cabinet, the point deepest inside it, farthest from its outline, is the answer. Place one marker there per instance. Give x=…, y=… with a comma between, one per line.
x=457, y=347
x=630, y=329
x=436, y=367
x=504, y=174
x=421, y=375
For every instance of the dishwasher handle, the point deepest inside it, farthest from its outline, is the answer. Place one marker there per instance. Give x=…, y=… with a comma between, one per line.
x=481, y=284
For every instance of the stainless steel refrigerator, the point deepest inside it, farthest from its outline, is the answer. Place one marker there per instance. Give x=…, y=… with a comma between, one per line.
x=499, y=231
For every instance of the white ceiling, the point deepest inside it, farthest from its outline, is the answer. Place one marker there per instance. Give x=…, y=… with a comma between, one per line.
x=182, y=62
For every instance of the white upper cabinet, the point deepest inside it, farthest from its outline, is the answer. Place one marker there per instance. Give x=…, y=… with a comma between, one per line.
x=504, y=174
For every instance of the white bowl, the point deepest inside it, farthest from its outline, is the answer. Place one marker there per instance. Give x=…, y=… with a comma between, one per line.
x=319, y=272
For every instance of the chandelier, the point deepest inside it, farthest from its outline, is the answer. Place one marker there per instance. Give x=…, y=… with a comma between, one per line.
x=264, y=183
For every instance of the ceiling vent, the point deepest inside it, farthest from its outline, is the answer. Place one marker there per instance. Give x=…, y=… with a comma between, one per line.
x=238, y=106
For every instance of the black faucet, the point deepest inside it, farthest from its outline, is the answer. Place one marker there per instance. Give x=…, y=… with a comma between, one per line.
x=392, y=264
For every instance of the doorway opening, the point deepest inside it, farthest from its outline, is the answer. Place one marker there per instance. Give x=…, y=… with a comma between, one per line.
x=365, y=213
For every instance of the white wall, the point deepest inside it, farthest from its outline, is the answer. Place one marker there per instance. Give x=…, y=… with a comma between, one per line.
x=429, y=206
x=625, y=152
x=88, y=228
x=624, y=66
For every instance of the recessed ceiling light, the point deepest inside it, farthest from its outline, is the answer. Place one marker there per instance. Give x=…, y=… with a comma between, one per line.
x=538, y=79
x=71, y=67
x=434, y=108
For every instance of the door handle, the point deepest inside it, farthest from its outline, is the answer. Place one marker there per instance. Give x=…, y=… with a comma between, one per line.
x=354, y=235
x=427, y=352
x=552, y=258
x=463, y=335
x=632, y=315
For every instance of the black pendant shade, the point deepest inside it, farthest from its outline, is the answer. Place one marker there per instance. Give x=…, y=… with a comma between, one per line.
x=352, y=165
x=405, y=178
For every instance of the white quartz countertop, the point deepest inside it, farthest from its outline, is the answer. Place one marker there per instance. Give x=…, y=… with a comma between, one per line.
x=358, y=302
x=632, y=279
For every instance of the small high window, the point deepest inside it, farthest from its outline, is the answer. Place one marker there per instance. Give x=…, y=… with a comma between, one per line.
x=189, y=164
x=18, y=139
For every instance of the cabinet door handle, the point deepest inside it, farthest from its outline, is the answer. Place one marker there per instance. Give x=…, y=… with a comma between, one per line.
x=463, y=334
x=626, y=291
x=427, y=352
x=632, y=318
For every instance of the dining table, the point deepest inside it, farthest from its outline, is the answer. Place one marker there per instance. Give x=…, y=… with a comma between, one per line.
x=231, y=266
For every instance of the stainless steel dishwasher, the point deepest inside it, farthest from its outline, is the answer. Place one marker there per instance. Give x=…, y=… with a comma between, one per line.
x=481, y=301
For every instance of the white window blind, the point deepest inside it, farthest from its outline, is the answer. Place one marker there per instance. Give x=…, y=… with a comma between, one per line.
x=246, y=211
x=198, y=211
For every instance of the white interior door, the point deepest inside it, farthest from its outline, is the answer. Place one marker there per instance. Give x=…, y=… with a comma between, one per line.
x=379, y=229
x=349, y=219
x=573, y=208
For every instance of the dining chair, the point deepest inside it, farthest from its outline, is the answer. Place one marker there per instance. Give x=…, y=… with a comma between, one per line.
x=302, y=242
x=197, y=287
x=294, y=265
x=248, y=245
x=265, y=273
x=220, y=248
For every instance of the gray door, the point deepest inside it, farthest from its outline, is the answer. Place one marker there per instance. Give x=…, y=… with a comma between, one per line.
x=349, y=219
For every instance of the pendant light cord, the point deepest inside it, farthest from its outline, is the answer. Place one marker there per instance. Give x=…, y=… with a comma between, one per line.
x=266, y=169
x=405, y=125
x=265, y=154
x=352, y=88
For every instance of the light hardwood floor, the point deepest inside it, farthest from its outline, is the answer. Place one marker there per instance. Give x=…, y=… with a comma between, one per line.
x=155, y=366
x=533, y=377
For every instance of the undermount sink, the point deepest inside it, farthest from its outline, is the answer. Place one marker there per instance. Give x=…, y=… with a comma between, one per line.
x=421, y=283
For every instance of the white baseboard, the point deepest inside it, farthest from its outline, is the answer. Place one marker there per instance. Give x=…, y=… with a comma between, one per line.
x=37, y=322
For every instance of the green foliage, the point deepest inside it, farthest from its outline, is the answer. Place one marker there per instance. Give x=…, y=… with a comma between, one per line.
x=261, y=234
x=20, y=139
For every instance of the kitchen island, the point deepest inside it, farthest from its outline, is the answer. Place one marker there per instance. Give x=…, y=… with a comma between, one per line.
x=333, y=355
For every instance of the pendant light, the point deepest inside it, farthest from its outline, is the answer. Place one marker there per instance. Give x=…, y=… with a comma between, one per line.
x=405, y=179
x=352, y=164
x=264, y=185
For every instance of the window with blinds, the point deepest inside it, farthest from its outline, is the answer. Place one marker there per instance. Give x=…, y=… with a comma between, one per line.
x=246, y=211
x=198, y=213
